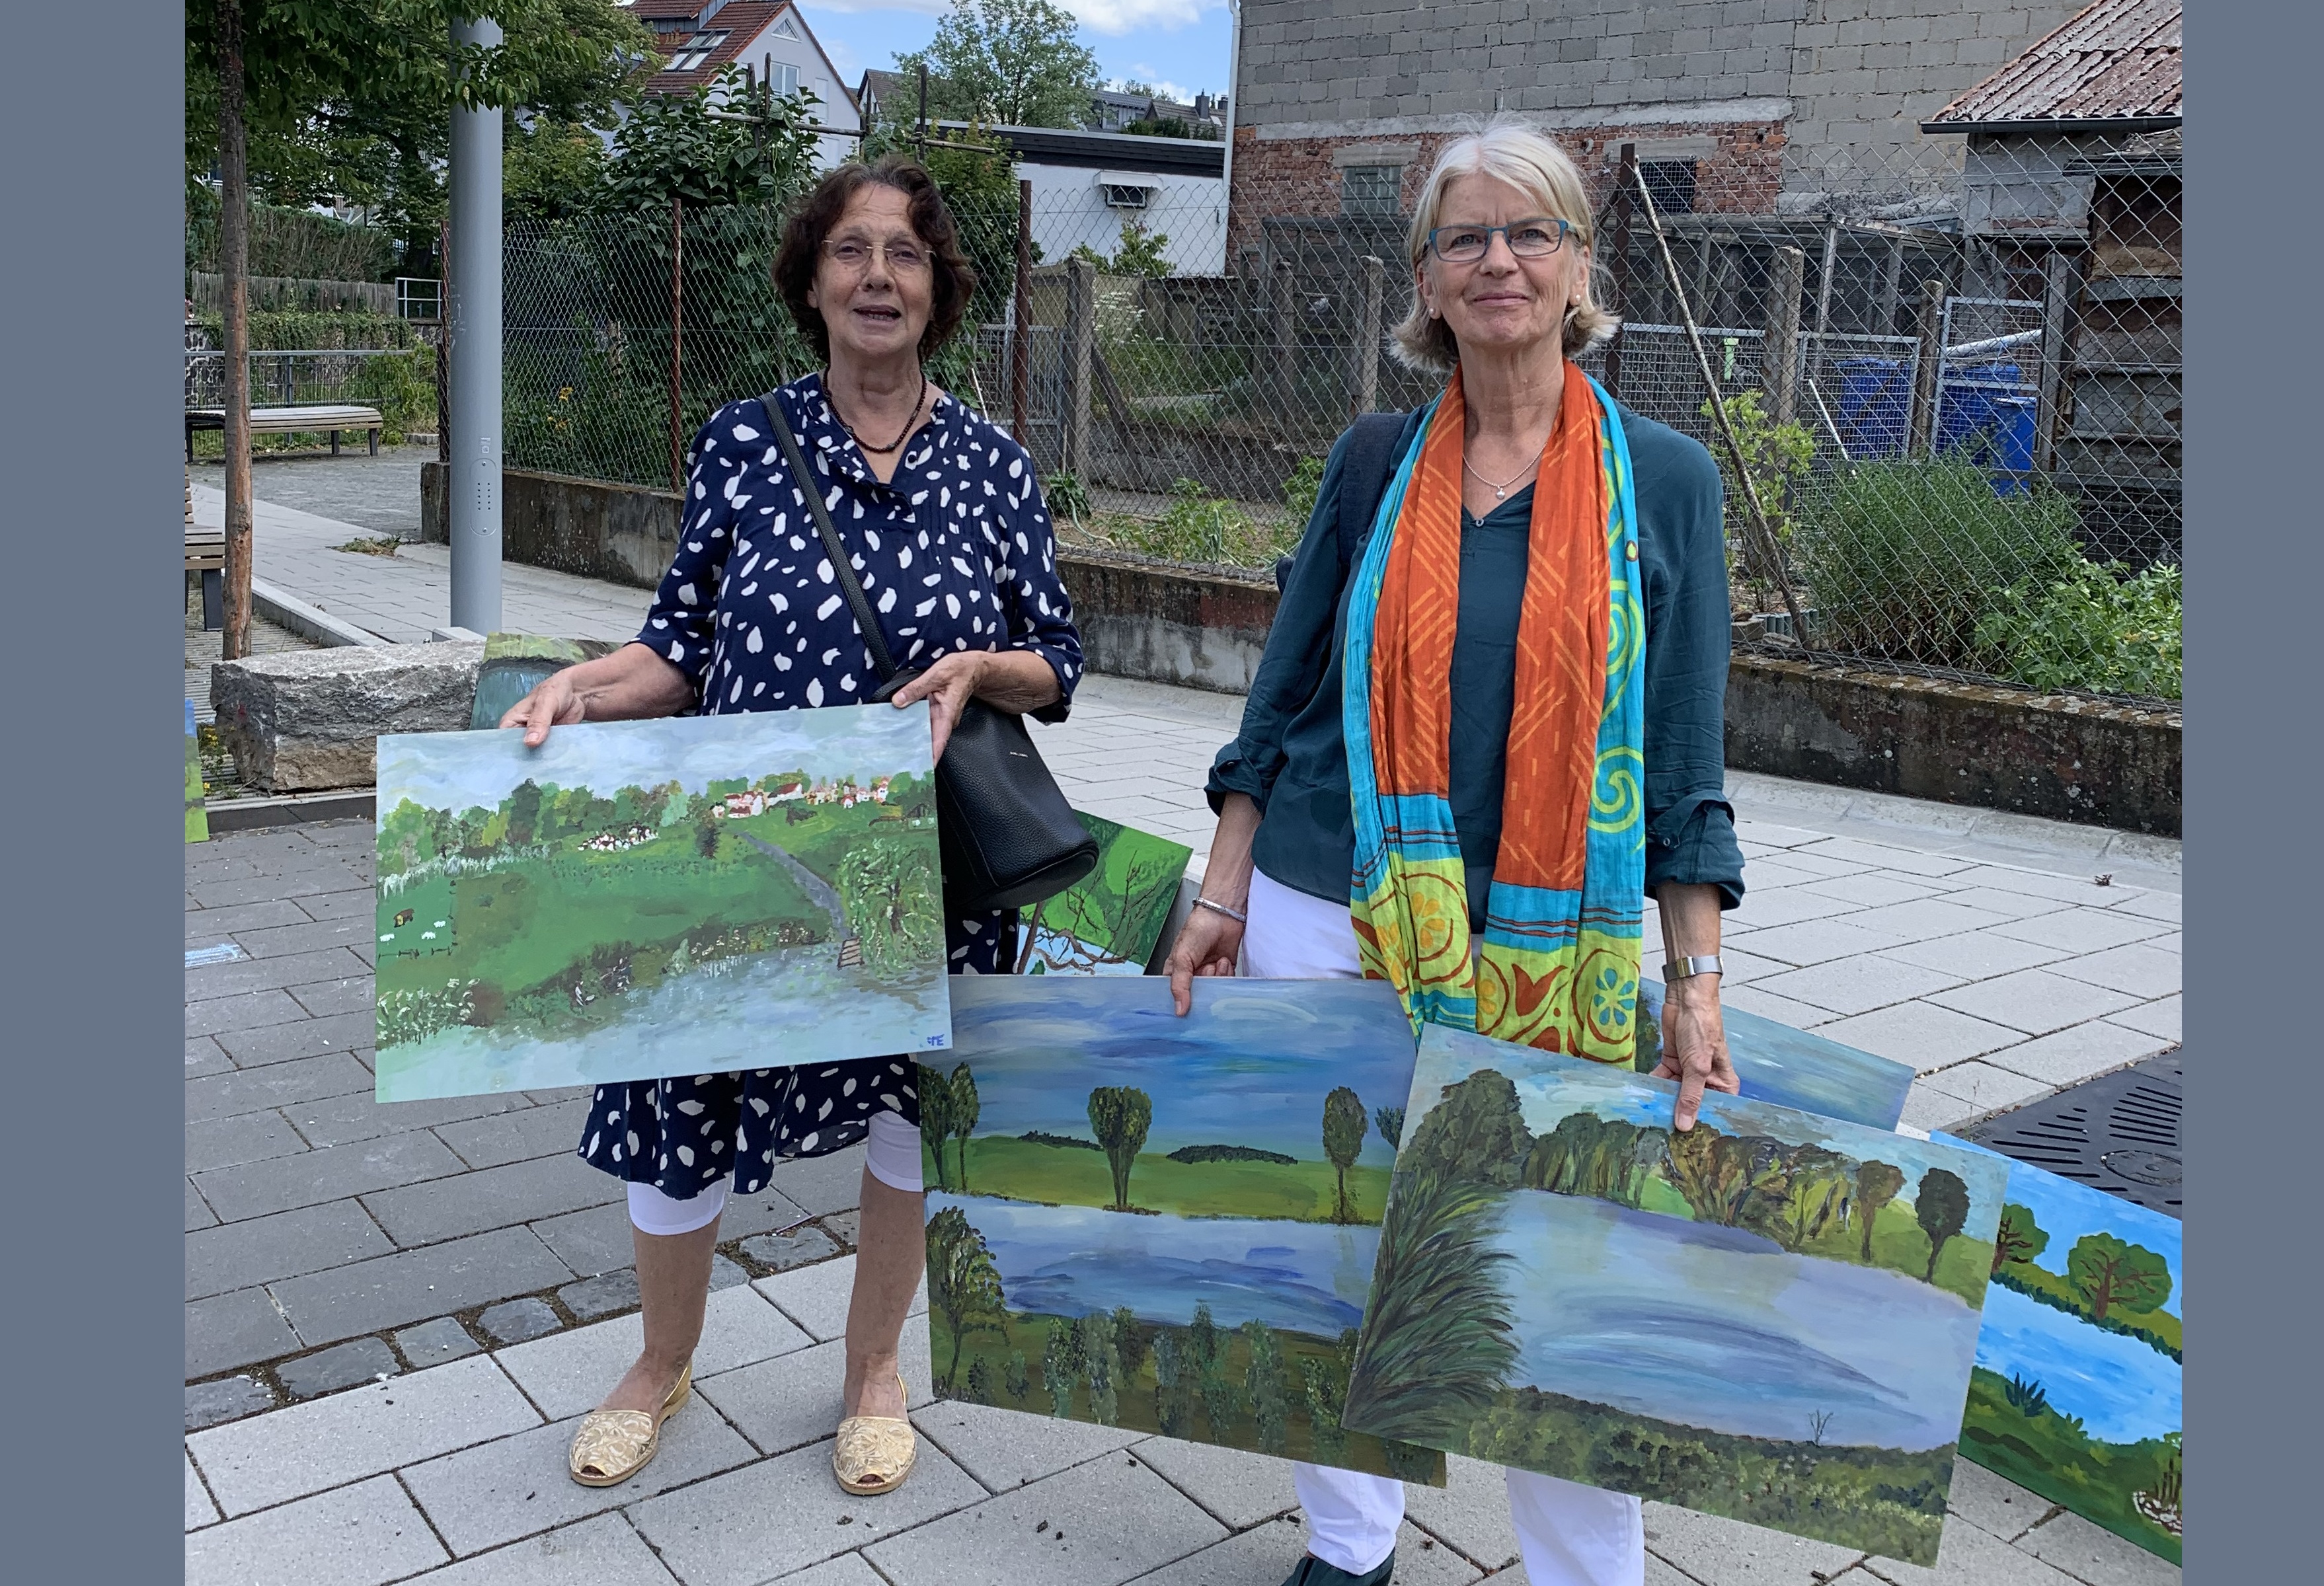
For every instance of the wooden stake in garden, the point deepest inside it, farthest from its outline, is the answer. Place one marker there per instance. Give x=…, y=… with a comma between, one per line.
x=234, y=265
x=1769, y=553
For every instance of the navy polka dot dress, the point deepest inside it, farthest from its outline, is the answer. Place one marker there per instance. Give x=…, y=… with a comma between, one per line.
x=955, y=553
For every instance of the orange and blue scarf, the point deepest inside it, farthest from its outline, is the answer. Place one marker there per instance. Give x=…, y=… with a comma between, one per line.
x=1558, y=967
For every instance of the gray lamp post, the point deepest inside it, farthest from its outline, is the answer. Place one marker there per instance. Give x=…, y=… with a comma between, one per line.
x=473, y=325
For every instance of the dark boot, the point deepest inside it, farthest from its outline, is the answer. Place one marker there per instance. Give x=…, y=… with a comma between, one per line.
x=1314, y=1572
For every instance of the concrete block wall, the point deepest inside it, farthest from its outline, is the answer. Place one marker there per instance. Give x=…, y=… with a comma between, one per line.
x=1845, y=82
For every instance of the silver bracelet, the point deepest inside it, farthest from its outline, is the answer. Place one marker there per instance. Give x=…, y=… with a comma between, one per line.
x=1236, y=914
x=1686, y=968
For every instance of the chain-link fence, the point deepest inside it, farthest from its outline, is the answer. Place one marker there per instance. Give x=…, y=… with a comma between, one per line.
x=1952, y=366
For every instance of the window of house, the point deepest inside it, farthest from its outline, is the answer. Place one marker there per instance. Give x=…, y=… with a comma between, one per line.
x=1120, y=195
x=694, y=52
x=784, y=27
x=1671, y=182
x=782, y=77
x=1369, y=189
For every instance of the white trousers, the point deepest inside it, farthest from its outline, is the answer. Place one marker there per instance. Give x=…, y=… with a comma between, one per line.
x=890, y=1155
x=1568, y=1535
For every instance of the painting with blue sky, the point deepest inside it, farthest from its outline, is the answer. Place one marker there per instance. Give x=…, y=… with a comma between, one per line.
x=1144, y=1220
x=2075, y=1392
x=1792, y=1067
x=640, y=898
x=1772, y=1316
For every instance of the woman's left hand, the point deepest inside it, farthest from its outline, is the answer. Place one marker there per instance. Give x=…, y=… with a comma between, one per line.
x=1694, y=1046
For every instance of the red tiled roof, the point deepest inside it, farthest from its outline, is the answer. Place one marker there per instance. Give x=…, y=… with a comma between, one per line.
x=743, y=21
x=2118, y=60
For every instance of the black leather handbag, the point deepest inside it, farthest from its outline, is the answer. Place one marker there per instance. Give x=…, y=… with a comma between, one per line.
x=1008, y=838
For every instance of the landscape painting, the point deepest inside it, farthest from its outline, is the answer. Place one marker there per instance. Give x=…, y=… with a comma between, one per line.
x=1142, y=1220
x=515, y=664
x=197, y=816
x=641, y=899
x=1790, y=1067
x=2076, y=1391
x=1111, y=920
x=1771, y=1317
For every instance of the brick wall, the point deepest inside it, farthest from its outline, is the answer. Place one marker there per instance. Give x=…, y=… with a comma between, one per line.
x=1846, y=81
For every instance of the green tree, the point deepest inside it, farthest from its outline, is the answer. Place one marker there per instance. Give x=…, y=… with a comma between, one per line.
x=965, y=1111
x=1096, y=1331
x=1060, y=1367
x=963, y=1285
x=1139, y=252
x=1876, y=1185
x=1170, y=1409
x=1005, y=63
x=678, y=146
x=2018, y=1238
x=1118, y=1117
x=1263, y=1383
x=2112, y=1276
x=550, y=171
x=894, y=905
x=1389, y=1121
x=1437, y=1346
x=1019, y=1380
x=1941, y=1206
x=1779, y=456
x=980, y=1381
x=707, y=822
x=1476, y=1132
x=1325, y=1393
x=1343, y=1138
x=524, y=812
x=1131, y=1339
x=936, y=1118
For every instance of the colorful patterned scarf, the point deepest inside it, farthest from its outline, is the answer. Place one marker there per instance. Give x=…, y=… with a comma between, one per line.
x=1558, y=968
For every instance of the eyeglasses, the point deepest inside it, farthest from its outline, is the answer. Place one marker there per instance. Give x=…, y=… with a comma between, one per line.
x=906, y=258
x=1529, y=239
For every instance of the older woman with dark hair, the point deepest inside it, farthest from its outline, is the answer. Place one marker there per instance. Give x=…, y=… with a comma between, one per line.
x=1487, y=726
x=950, y=539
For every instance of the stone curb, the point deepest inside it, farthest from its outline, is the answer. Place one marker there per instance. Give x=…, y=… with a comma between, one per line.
x=285, y=610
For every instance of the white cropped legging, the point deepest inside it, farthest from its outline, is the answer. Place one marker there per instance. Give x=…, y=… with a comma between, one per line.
x=891, y=1154
x=1567, y=1533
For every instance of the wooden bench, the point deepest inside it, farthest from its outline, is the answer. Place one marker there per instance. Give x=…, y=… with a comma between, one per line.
x=205, y=556
x=318, y=419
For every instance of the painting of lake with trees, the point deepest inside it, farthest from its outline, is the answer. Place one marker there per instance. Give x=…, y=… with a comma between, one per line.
x=1771, y=1317
x=1790, y=1067
x=2076, y=1391
x=635, y=899
x=1142, y=1220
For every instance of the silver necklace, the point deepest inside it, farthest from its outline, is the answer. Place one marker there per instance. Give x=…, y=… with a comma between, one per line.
x=1501, y=489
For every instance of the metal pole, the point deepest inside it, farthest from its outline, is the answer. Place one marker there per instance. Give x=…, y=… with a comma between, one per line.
x=1620, y=264
x=677, y=345
x=1020, y=340
x=473, y=328
x=234, y=266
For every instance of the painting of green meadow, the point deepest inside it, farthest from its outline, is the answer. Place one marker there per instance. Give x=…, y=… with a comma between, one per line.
x=1771, y=1317
x=635, y=899
x=1111, y=921
x=1142, y=1220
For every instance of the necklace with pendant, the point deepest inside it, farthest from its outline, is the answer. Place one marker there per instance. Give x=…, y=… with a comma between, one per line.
x=1501, y=489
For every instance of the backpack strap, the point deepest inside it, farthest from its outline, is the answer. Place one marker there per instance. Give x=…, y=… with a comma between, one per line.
x=1371, y=457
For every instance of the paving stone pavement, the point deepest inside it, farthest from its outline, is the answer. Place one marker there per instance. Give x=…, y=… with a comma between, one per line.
x=330, y=1240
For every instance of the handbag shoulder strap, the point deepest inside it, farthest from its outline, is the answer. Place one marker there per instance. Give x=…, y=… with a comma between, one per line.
x=842, y=568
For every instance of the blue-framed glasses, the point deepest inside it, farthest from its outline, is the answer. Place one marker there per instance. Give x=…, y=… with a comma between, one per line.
x=1537, y=238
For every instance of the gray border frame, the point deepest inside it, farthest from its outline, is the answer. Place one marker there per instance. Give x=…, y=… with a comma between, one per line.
x=2254, y=563
x=93, y=435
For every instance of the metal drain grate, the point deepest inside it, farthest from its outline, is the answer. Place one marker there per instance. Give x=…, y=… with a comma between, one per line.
x=2118, y=1133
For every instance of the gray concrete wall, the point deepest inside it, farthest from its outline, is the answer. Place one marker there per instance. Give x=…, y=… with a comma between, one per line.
x=622, y=533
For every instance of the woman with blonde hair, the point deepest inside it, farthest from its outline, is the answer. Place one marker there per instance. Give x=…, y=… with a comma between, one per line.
x=1487, y=725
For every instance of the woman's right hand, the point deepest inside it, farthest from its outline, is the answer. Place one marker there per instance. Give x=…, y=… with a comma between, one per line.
x=554, y=702
x=1209, y=943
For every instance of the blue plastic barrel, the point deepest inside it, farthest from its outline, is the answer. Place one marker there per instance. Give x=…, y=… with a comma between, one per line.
x=1875, y=405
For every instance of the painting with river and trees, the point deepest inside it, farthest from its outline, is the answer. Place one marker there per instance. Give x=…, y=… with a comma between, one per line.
x=1169, y=1224
x=634, y=899
x=1771, y=1317
x=2076, y=1390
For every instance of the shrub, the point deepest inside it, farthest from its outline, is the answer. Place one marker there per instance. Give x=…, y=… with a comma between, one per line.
x=400, y=385
x=1300, y=489
x=2089, y=629
x=1904, y=558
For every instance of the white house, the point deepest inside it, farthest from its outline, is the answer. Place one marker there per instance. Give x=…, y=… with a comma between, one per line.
x=770, y=38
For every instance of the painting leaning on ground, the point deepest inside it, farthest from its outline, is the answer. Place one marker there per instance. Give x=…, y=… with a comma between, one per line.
x=1142, y=1220
x=1770, y=1317
x=635, y=899
x=2075, y=1392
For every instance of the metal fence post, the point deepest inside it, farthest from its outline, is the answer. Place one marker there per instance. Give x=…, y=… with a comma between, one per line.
x=1931, y=355
x=1021, y=338
x=473, y=522
x=1081, y=346
x=677, y=345
x=1369, y=331
x=2061, y=289
x=1619, y=266
x=1779, y=361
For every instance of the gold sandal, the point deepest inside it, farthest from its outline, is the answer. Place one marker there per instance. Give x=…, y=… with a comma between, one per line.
x=611, y=1446
x=869, y=1447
